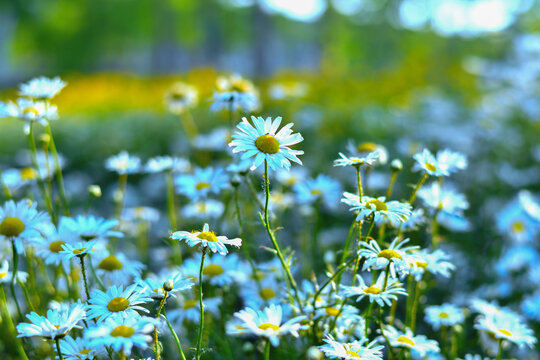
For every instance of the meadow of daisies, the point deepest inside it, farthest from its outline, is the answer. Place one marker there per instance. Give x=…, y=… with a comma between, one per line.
x=265, y=238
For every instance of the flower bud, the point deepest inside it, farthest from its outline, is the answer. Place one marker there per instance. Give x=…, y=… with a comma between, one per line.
x=95, y=190
x=168, y=285
x=396, y=165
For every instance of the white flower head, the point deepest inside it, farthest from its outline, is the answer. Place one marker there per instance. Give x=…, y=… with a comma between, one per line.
x=444, y=315
x=426, y=161
x=376, y=291
x=207, y=239
x=351, y=351
x=42, y=87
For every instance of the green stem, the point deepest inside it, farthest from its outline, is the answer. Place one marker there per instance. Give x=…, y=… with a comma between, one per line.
x=122, y=182
x=267, y=350
x=59, y=177
x=253, y=192
x=9, y=322
x=386, y=276
x=417, y=292
x=417, y=187
x=266, y=223
x=368, y=318
x=338, y=272
x=189, y=125
x=57, y=340
x=83, y=271
x=201, y=323
x=391, y=185
x=14, y=277
x=171, y=211
x=500, y=352
x=390, y=349
x=176, y=340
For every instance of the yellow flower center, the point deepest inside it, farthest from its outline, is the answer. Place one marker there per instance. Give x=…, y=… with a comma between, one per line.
x=379, y=205
x=202, y=185
x=444, y=315
x=11, y=227
x=389, y=254
x=372, y=290
x=518, y=227
x=332, y=311
x=240, y=86
x=267, y=144
x=30, y=110
x=85, y=351
x=212, y=270
x=56, y=246
x=190, y=304
x=316, y=192
x=78, y=251
x=352, y=353
x=430, y=166
x=505, y=332
x=28, y=173
x=421, y=264
x=267, y=326
x=123, y=331
x=3, y=274
x=208, y=236
x=268, y=293
x=405, y=340
x=118, y=304
x=110, y=263
x=367, y=147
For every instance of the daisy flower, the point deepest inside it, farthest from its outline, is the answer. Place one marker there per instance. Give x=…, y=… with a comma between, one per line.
x=6, y=276
x=203, y=209
x=55, y=325
x=426, y=161
x=139, y=214
x=79, y=249
x=218, y=270
x=188, y=309
x=394, y=212
x=154, y=285
x=167, y=163
x=91, y=228
x=117, y=302
x=451, y=161
x=287, y=89
x=322, y=187
x=369, y=159
x=207, y=239
x=181, y=96
x=395, y=255
x=216, y=140
x=261, y=141
x=268, y=323
x=416, y=219
x=444, y=315
x=365, y=148
x=202, y=182
x=121, y=334
x=418, y=343
x=42, y=87
x=21, y=223
x=76, y=349
x=234, y=92
x=351, y=351
x=507, y=328
x=116, y=268
x=269, y=292
x=375, y=291
x=292, y=176
x=530, y=205
x=436, y=262
x=444, y=199
x=514, y=222
x=123, y=163
x=49, y=245
x=29, y=111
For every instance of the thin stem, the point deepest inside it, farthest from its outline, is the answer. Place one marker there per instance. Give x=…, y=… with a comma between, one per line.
x=189, y=125
x=386, y=276
x=500, y=352
x=94, y=275
x=266, y=223
x=391, y=185
x=122, y=182
x=367, y=316
x=9, y=323
x=83, y=270
x=417, y=187
x=453, y=343
x=171, y=211
x=201, y=323
x=160, y=308
x=59, y=177
x=14, y=277
x=338, y=272
x=253, y=192
x=57, y=340
x=267, y=350
x=176, y=340
x=417, y=292
x=390, y=349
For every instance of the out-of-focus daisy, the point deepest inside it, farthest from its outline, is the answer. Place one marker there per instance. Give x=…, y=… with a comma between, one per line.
x=406, y=339
x=351, y=351
x=474, y=357
x=42, y=87
x=369, y=159
x=436, y=262
x=416, y=219
x=181, y=96
x=262, y=141
x=530, y=306
x=203, y=209
x=427, y=162
x=292, y=176
x=444, y=315
x=322, y=187
x=393, y=212
x=29, y=111
x=288, y=90
x=21, y=223
x=47, y=165
x=6, y=276
x=117, y=302
x=216, y=140
x=116, y=268
x=269, y=323
x=124, y=163
x=163, y=163
x=91, y=228
x=451, y=161
x=202, y=182
x=234, y=92
x=492, y=309
x=507, y=328
x=154, y=285
x=188, y=308
x=375, y=292
x=121, y=334
x=76, y=349
x=514, y=222
x=140, y=214
x=207, y=239
x=363, y=149
x=16, y=179
x=218, y=270
x=268, y=291
x=529, y=204
x=57, y=324
x=49, y=245
x=394, y=255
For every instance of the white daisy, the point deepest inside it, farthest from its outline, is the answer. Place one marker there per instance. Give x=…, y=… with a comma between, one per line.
x=394, y=212
x=444, y=199
x=269, y=323
x=55, y=325
x=29, y=111
x=234, y=92
x=42, y=87
x=202, y=182
x=116, y=268
x=76, y=349
x=451, y=161
x=363, y=150
x=426, y=161
x=444, y=315
x=163, y=163
x=369, y=159
x=154, y=285
x=203, y=209
x=407, y=339
x=6, y=276
x=117, y=302
x=187, y=308
x=508, y=328
x=79, y=249
x=124, y=163
x=49, y=246
x=322, y=187
x=91, y=228
x=375, y=292
x=351, y=351
x=181, y=96
x=121, y=334
x=261, y=141
x=395, y=256
x=218, y=270
x=21, y=223
x=207, y=239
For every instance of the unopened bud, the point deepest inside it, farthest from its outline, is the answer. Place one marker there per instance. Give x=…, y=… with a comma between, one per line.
x=95, y=190
x=44, y=140
x=314, y=353
x=236, y=180
x=396, y=165
x=168, y=285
